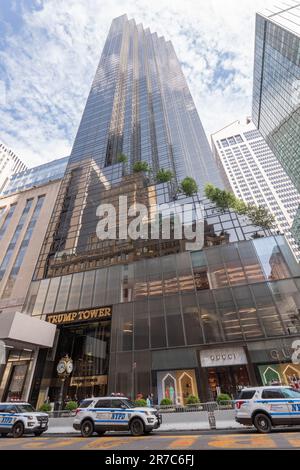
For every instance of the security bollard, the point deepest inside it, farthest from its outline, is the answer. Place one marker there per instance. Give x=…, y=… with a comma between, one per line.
x=212, y=420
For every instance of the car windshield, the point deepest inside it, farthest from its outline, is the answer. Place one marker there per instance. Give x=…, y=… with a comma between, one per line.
x=129, y=404
x=291, y=393
x=25, y=408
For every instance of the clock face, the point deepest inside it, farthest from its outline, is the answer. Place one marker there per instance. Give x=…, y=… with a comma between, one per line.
x=69, y=367
x=61, y=367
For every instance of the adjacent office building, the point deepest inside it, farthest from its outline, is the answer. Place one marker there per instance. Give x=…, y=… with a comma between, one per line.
x=276, y=89
x=254, y=174
x=141, y=316
x=25, y=212
x=9, y=165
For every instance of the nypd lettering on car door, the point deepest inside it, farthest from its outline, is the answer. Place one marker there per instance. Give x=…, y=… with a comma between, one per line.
x=109, y=416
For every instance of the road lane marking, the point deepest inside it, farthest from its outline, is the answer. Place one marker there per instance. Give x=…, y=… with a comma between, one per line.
x=13, y=442
x=242, y=442
x=293, y=439
x=105, y=443
x=183, y=442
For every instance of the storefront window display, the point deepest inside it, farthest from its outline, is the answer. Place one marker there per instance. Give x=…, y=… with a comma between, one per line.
x=225, y=370
x=280, y=374
x=16, y=374
x=176, y=386
x=229, y=380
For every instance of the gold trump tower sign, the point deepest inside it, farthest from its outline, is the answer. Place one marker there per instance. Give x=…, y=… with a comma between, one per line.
x=81, y=315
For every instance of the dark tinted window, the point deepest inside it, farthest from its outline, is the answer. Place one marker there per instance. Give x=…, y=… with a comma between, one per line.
x=85, y=403
x=103, y=404
x=272, y=394
x=117, y=404
x=25, y=408
x=246, y=395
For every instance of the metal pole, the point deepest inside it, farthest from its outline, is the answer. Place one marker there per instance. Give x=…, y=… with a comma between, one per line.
x=61, y=393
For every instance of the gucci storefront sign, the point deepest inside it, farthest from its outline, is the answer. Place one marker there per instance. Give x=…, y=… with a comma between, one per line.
x=223, y=357
x=81, y=315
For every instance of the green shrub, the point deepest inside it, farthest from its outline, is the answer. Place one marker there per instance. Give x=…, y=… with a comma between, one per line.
x=121, y=158
x=45, y=408
x=189, y=186
x=71, y=405
x=163, y=176
x=166, y=402
x=140, y=166
x=223, y=199
x=259, y=216
x=192, y=400
x=141, y=402
x=223, y=397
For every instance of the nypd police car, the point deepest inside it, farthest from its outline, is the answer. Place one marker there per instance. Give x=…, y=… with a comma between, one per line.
x=21, y=418
x=114, y=414
x=266, y=407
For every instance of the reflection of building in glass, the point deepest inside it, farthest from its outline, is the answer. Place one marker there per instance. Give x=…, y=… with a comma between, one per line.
x=276, y=91
x=254, y=174
x=162, y=316
x=139, y=105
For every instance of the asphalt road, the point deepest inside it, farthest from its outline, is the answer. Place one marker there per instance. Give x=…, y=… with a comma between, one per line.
x=279, y=439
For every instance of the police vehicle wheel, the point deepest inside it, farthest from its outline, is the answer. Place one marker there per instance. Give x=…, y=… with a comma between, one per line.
x=262, y=423
x=136, y=427
x=18, y=430
x=87, y=428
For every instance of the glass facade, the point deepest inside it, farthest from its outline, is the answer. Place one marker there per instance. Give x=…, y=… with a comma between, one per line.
x=139, y=105
x=251, y=293
x=37, y=176
x=276, y=89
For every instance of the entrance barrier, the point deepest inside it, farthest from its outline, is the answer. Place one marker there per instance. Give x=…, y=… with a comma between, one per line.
x=210, y=415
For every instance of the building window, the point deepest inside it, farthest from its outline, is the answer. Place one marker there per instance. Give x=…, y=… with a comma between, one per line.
x=22, y=250
x=7, y=220
x=14, y=239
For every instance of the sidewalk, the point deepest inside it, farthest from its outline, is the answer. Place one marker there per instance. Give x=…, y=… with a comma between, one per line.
x=192, y=421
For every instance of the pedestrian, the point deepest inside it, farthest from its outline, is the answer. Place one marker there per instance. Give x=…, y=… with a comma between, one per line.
x=148, y=401
x=151, y=399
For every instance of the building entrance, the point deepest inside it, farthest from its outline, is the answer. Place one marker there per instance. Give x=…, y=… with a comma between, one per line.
x=227, y=380
x=88, y=345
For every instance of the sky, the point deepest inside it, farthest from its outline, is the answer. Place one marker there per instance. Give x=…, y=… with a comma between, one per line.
x=49, y=51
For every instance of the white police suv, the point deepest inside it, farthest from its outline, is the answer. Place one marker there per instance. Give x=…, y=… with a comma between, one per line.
x=21, y=418
x=266, y=407
x=114, y=414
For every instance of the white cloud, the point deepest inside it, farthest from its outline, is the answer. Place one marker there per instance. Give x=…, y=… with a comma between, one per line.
x=50, y=62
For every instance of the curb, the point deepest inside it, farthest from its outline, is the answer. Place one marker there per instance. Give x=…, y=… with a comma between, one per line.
x=160, y=431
